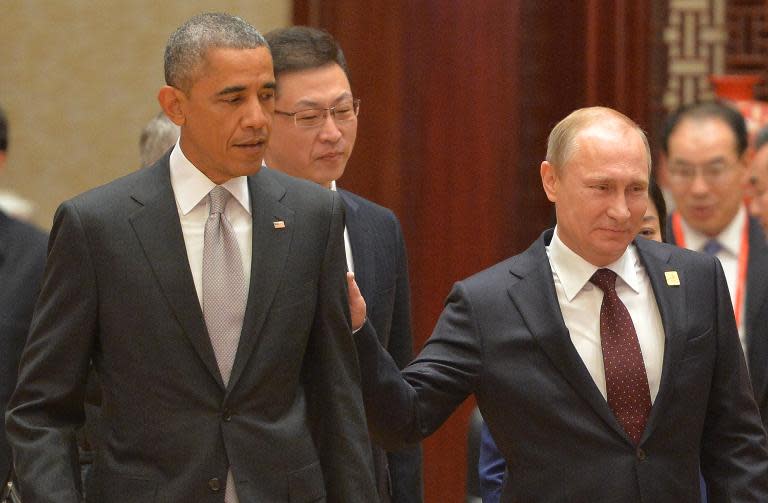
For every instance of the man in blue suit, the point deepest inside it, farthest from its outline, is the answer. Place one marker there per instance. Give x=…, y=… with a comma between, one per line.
x=607, y=368
x=313, y=134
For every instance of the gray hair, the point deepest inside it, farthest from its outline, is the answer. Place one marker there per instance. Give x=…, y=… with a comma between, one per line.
x=561, y=143
x=157, y=137
x=188, y=45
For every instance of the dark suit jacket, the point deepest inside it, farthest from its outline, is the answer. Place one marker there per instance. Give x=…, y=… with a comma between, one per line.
x=503, y=338
x=22, y=259
x=118, y=291
x=381, y=272
x=755, y=313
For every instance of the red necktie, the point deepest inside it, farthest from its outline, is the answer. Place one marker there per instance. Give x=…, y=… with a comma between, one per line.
x=625, y=378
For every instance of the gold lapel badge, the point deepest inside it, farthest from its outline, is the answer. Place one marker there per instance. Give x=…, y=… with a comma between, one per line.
x=279, y=224
x=672, y=278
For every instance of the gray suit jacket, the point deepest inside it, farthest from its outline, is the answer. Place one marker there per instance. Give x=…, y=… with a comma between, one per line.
x=503, y=338
x=118, y=291
x=381, y=272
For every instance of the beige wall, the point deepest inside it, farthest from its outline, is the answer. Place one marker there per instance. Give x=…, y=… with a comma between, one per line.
x=78, y=80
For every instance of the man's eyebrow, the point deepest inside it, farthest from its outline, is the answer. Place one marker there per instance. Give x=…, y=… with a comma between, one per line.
x=312, y=103
x=239, y=89
x=231, y=90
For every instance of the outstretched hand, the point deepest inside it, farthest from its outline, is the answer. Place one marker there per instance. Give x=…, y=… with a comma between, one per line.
x=356, y=303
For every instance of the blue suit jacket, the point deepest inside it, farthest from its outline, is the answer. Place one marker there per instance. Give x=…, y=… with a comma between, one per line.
x=502, y=338
x=381, y=272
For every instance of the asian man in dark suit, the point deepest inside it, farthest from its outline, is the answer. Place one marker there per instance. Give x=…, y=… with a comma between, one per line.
x=22, y=259
x=210, y=295
x=608, y=368
x=312, y=138
x=704, y=151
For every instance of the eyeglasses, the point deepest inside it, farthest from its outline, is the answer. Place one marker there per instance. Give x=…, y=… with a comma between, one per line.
x=313, y=117
x=711, y=173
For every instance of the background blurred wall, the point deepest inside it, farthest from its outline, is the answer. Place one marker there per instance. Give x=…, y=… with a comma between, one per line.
x=79, y=79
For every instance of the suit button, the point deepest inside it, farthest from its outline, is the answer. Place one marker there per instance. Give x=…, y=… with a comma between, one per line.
x=641, y=454
x=227, y=415
x=214, y=485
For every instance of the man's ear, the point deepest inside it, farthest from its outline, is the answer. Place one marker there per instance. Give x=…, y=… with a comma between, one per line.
x=172, y=101
x=549, y=180
x=3, y=158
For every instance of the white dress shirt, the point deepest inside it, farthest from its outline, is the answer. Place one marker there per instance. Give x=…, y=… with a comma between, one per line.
x=730, y=241
x=191, y=188
x=347, y=246
x=580, y=303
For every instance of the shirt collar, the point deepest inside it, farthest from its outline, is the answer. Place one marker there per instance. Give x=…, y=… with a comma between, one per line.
x=574, y=272
x=333, y=185
x=191, y=186
x=729, y=238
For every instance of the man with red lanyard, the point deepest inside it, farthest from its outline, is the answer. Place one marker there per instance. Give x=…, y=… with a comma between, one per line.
x=705, y=167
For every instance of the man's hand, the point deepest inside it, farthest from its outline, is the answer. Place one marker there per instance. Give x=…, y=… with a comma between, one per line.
x=356, y=303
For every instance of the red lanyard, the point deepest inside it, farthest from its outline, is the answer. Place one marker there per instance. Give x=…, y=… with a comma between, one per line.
x=741, y=279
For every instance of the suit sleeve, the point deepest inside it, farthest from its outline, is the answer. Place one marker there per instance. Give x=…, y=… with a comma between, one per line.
x=405, y=407
x=734, y=457
x=404, y=464
x=332, y=378
x=47, y=405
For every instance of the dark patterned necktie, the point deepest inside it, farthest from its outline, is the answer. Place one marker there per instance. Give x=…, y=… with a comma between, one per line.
x=625, y=378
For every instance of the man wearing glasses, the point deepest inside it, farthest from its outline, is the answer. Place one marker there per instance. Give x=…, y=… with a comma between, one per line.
x=313, y=133
x=704, y=146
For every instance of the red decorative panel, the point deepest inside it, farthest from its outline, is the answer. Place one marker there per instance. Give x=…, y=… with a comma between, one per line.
x=747, y=49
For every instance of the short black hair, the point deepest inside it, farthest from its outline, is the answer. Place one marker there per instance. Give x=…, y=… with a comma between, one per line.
x=761, y=138
x=708, y=110
x=657, y=199
x=303, y=48
x=187, y=46
x=3, y=131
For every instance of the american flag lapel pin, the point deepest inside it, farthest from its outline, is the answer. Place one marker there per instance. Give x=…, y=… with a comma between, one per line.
x=672, y=278
x=279, y=224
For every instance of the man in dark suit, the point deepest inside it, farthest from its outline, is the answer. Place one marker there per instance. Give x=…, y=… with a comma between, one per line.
x=312, y=138
x=606, y=367
x=22, y=259
x=704, y=157
x=210, y=295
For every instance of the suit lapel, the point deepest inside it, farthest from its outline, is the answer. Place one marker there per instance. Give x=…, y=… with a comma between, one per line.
x=671, y=303
x=359, y=238
x=533, y=293
x=157, y=227
x=269, y=252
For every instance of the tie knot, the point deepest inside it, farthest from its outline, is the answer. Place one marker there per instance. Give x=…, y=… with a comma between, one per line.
x=711, y=247
x=605, y=279
x=218, y=198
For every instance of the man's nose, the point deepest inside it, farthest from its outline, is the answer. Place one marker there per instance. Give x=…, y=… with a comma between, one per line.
x=699, y=184
x=256, y=115
x=329, y=130
x=619, y=210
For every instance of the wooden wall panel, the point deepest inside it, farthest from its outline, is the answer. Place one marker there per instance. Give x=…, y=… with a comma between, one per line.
x=458, y=99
